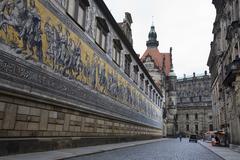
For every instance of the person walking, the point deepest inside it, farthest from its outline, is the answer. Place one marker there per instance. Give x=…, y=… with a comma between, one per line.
x=180, y=137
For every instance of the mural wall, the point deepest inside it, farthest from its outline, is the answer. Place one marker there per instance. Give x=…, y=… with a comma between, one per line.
x=37, y=35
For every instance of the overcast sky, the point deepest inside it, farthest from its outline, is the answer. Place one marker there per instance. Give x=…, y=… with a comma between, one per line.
x=185, y=25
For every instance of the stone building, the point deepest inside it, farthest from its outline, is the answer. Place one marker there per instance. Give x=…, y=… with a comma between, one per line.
x=160, y=67
x=224, y=65
x=68, y=69
x=194, y=109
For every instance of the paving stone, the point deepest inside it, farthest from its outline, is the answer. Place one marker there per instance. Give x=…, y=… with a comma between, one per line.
x=23, y=110
x=35, y=112
x=73, y=118
x=66, y=122
x=14, y=133
x=2, y=106
x=44, y=120
x=21, y=125
x=164, y=150
x=10, y=116
x=51, y=127
x=21, y=117
x=33, y=126
x=52, y=114
x=89, y=120
x=59, y=127
x=1, y=121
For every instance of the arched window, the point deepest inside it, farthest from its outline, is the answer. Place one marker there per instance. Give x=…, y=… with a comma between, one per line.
x=196, y=116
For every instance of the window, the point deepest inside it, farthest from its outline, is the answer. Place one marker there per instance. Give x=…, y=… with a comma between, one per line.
x=101, y=33
x=150, y=92
x=77, y=10
x=187, y=116
x=63, y=3
x=187, y=127
x=158, y=101
x=71, y=8
x=236, y=10
x=142, y=81
x=127, y=67
x=210, y=117
x=153, y=97
x=135, y=75
x=196, y=116
x=81, y=14
x=146, y=87
x=210, y=127
x=196, y=128
x=116, y=55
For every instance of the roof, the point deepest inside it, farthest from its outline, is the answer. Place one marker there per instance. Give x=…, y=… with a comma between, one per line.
x=102, y=6
x=160, y=59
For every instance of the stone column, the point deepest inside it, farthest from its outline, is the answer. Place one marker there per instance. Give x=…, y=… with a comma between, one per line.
x=235, y=116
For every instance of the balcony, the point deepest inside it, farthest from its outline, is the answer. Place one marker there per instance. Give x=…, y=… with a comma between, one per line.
x=232, y=70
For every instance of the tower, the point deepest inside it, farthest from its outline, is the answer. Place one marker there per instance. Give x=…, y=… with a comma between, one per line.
x=171, y=101
x=160, y=67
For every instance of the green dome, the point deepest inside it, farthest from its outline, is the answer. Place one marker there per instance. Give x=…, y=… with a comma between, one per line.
x=152, y=38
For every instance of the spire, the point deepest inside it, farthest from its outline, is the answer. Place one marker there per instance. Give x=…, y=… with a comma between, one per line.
x=172, y=73
x=152, y=38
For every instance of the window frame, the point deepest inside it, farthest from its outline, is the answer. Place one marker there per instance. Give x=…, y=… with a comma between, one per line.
x=127, y=64
x=146, y=87
x=117, y=52
x=141, y=81
x=84, y=4
x=102, y=27
x=150, y=91
x=196, y=116
x=196, y=128
x=100, y=41
x=135, y=75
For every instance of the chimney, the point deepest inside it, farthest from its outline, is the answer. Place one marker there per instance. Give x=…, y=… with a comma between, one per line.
x=126, y=26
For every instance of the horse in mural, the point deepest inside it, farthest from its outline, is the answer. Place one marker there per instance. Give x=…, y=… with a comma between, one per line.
x=26, y=22
x=63, y=53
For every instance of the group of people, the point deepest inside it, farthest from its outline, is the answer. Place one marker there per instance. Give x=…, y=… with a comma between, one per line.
x=215, y=140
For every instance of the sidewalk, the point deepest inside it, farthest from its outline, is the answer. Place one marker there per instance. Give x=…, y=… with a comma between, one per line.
x=74, y=152
x=223, y=152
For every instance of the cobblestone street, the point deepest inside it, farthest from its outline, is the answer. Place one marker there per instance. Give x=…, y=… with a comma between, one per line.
x=165, y=150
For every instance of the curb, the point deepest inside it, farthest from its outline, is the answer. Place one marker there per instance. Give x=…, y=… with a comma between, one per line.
x=211, y=151
x=106, y=150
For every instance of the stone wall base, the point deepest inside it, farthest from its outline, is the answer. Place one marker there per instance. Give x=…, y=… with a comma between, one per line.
x=28, y=125
x=26, y=145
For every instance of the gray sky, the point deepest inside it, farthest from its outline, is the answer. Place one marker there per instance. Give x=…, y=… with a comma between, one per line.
x=185, y=25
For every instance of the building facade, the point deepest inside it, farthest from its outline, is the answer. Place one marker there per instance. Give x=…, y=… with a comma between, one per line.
x=224, y=65
x=68, y=69
x=160, y=67
x=194, y=108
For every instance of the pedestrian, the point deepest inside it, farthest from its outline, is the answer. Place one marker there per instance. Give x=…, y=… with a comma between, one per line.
x=180, y=137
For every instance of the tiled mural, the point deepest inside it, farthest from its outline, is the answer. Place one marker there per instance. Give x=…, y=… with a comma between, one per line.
x=35, y=34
